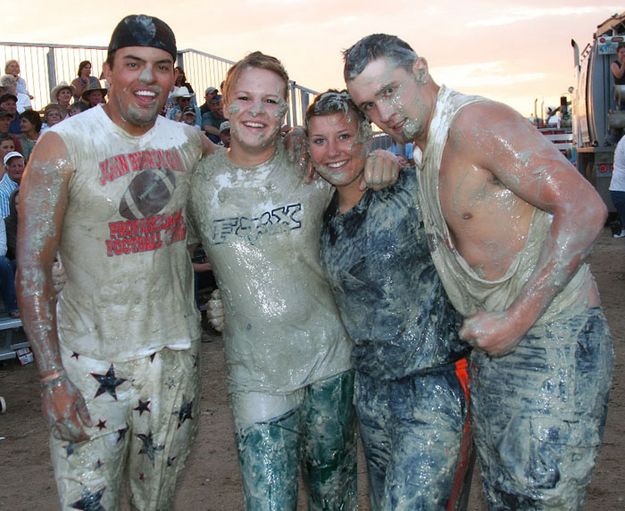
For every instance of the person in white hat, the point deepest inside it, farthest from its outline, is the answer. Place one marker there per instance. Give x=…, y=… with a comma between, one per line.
x=182, y=96
x=14, y=166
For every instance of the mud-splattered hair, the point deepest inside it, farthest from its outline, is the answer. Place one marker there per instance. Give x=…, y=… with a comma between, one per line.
x=258, y=60
x=333, y=101
x=373, y=47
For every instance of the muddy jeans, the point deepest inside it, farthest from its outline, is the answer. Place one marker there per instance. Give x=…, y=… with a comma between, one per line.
x=412, y=431
x=539, y=413
x=316, y=430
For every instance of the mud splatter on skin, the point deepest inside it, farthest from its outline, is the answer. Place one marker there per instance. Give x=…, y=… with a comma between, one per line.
x=135, y=116
x=264, y=138
x=394, y=98
x=255, y=106
x=37, y=298
x=349, y=140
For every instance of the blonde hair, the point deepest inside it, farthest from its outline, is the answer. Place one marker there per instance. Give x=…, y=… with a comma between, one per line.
x=257, y=60
x=8, y=63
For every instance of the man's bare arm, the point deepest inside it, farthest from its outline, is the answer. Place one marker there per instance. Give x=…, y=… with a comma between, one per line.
x=534, y=170
x=43, y=199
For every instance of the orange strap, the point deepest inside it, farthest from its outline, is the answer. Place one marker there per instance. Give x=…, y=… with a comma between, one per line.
x=465, y=456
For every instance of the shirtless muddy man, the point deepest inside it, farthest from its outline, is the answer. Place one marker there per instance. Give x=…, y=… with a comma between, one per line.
x=509, y=224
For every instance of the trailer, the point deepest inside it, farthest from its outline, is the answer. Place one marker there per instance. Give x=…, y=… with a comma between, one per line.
x=597, y=116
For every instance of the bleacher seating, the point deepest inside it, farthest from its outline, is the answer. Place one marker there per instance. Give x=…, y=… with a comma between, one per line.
x=12, y=337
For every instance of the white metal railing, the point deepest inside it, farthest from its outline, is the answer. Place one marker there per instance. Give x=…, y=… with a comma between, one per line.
x=44, y=65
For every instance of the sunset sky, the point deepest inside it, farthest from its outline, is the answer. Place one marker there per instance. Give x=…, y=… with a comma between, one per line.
x=514, y=54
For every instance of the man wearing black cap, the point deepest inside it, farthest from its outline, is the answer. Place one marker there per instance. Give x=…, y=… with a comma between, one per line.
x=107, y=191
x=6, y=118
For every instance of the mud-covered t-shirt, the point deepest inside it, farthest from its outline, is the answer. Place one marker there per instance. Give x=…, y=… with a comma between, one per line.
x=386, y=287
x=129, y=288
x=260, y=229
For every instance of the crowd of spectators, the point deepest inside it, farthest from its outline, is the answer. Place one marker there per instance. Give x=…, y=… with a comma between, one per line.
x=21, y=126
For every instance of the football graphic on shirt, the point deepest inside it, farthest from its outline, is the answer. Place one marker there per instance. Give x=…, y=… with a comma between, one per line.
x=147, y=194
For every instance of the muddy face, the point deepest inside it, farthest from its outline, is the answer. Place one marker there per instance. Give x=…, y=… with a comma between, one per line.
x=336, y=147
x=256, y=108
x=393, y=98
x=140, y=79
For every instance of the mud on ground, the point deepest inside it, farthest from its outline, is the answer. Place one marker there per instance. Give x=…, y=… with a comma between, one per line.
x=211, y=481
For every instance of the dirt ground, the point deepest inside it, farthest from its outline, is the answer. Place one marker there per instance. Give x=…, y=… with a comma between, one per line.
x=211, y=481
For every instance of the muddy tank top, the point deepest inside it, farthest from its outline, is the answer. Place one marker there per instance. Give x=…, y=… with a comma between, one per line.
x=129, y=291
x=468, y=292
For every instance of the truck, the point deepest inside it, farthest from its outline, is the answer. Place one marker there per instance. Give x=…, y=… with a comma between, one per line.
x=597, y=119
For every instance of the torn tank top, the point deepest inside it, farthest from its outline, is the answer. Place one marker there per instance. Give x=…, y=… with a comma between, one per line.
x=468, y=292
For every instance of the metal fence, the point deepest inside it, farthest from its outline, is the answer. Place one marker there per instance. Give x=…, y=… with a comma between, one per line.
x=43, y=66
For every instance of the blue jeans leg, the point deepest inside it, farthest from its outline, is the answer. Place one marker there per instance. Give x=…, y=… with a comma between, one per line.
x=618, y=199
x=7, y=283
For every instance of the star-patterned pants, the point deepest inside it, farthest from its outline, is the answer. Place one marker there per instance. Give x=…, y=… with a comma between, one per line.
x=145, y=417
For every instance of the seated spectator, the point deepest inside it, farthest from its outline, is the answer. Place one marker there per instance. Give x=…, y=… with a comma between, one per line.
x=14, y=166
x=7, y=277
x=30, y=123
x=83, y=80
x=8, y=85
x=7, y=187
x=6, y=146
x=77, y=108
x=209, y=95
x=12, y=67
x=212, y=119
x=62, y=95
x=188, y=116
x=181, y=79
x=51, y=116
x=10, y=223
x=8, y=103
x=94, y=95
x=224, y=133
x=5, y=122
x=182, y=97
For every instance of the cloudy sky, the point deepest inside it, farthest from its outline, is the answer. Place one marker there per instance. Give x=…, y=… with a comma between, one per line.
x=515, y=54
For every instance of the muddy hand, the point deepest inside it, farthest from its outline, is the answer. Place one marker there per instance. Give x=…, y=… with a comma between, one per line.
x=64, y=408
x=381, y=170
x=215, y=311
x=496, y=333
x=59, y=277
x=296, y=145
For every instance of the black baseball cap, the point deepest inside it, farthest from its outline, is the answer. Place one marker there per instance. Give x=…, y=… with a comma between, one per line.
x=143, y=30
